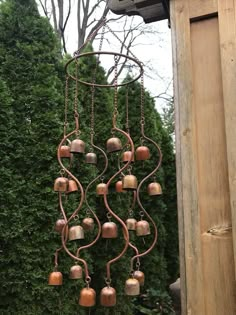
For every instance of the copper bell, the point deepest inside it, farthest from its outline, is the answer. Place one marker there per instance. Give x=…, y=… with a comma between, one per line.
x=108, y=296
x=131, y=224
x=61, y=184
x=76, y=233
x=142, y=228
x=109, y=230
x=88, y=224
x=87, y=297
x=101, y=189
x=132, y=287
x=127, y=156
x=129, y=182
x=72, y=186
x=55, y=278
x=154, y=189
x=142, y=153
x=113, y=145
x=119, y=186
x=139, y=275
x=91, y=158
x=76, y=272
x=59, y=225
x=77, y=146
x=64, y=151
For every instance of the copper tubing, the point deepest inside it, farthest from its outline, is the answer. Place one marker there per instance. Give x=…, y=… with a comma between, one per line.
x=125, y=230
x=86, y=201
x=134, y=200
x=139, y=201
x=131, y=208
x=63, y=238
x=56, y=257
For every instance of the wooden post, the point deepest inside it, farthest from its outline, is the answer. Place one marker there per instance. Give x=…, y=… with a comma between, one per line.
x=204, y=59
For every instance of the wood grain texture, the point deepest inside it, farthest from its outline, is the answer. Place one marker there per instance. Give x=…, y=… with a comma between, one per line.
x=227, y=22
x=199, y=8
x=212, y=166
x=189, y=220
x=205, y=96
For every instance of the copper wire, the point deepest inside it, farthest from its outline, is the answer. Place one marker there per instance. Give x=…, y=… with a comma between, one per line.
x=63, y=237
x=125, y=230
x=139, y=201
x=86, y=201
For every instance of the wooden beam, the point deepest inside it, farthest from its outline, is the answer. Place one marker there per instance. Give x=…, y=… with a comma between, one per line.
x=212, y=169
x=201, y=8
x=227, y=22
x=204, y=57
x=189, y=219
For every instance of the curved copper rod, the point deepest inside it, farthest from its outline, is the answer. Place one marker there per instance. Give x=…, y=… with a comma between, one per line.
x=119, y=165
x=64, y=240
x=56, y=257
x=78, y=208
x=134, y=199
x=125, y=230
x=61, y=248
x=139, y=201
x=132, y=206
x=86, y=201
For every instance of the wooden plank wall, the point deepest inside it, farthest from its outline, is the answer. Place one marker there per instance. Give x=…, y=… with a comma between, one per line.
x=204, y=62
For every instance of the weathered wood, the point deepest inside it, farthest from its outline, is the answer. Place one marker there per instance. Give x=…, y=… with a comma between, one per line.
x=227, y=22
x=212, y=169
x=200, y=8
x=205, y=95
x=189, y=220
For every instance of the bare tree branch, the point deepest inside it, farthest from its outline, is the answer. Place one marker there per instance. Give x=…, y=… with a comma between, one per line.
x=94, y=8
x=104, y=14
x=67, y=17
x=44, y=7
x=61, y=15
x=54, y=15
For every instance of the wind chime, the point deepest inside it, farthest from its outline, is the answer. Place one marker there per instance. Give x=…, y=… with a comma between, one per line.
x=70, y=146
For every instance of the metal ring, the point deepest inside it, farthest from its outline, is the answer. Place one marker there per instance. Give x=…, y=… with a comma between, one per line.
x=94, y=53
x=87, y=280
x=108, y=281
x=76, y=217
x=141, y=213
x=62, y=172
x=131, y=212
x=109, y=216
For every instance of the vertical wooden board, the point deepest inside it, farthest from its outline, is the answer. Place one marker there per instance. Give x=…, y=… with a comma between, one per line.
x=189, y=221
x=218, y=274
x=212, y=170
x=227, y=29
x=210, y=125
x=183, y=292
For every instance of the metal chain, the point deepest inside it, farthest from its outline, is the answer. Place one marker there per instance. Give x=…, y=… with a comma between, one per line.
x=66, y=105
x=93, y=82
x=127, y=109
x=142, y=101
x=76, y=114
x=115, y=111
x=120, y=41
x=91, y=36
